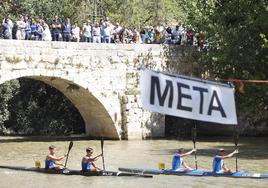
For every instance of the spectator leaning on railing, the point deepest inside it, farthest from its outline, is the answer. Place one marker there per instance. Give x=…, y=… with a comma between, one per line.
x=20, y=24
x=75, y=33
x=56, y=29
x=96, y=33
x=27, y=28
x=46, y=33
x=107, y=31
x=7, y=28
x=66, y=29
x=87, y=32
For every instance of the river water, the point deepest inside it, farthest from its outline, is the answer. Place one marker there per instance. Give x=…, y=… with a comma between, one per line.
x=253, y=157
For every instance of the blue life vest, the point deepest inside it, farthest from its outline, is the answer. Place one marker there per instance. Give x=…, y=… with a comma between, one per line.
x=86, y=167
x=177, y=162
x=50, y=164
x=218, y=164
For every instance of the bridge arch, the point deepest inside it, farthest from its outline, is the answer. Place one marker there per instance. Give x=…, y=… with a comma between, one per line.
x=99, y=119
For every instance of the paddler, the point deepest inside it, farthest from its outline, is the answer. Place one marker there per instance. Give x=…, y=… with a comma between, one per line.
x=88, y=161
x=178, y=163
x=218, y=162
x=52, y=162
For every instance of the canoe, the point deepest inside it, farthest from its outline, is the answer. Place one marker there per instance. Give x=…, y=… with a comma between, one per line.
x=239, y=174
x=75, y=172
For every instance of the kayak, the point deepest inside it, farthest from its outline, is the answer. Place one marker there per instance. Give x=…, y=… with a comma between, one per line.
x=75, y=172
x=239, y=174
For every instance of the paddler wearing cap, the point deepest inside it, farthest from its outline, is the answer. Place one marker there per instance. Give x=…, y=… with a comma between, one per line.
x=178, y=163
x=218, y=162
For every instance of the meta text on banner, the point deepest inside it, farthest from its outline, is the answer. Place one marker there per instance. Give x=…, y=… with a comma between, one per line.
x=188, y=97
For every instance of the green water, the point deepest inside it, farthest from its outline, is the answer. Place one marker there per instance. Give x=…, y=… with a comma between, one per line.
x=253, y=157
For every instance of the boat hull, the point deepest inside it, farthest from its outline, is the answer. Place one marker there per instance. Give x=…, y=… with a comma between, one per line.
x=75, y=172
x=199, y=173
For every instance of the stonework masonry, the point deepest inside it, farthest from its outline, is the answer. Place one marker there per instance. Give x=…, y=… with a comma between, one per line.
x=101, y=80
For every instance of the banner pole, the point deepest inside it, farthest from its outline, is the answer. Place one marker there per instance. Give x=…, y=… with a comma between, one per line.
x=194, y=141
x=236, y=137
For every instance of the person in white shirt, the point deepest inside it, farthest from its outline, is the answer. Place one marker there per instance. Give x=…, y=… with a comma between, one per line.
x=176, y=35
x=96, y=32
x=87, y=31
x=20, y=34
x=182, y=32
x=75, y=33
x=46, y=33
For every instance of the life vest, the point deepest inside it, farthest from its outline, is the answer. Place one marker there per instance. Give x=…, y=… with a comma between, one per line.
x=86, y=167
x=217, y=164
x=50, y=164
x=177, y=162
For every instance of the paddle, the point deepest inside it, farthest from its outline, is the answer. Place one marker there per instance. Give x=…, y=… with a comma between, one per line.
x=236, y=137
x=70, y=147
x=194, y=141
x=102, y=144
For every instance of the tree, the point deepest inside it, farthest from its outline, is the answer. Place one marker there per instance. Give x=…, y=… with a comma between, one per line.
x=7, y=90
x=34, y=108
x=140, y=13
x=237, y=32
x=41, y=9
x=131, y=13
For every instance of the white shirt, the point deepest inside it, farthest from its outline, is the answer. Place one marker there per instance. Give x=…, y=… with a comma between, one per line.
x=47, y=34
x=107, y=31
x=76, y=32
x=21, y=24
x=87, y=30
x=96, y=31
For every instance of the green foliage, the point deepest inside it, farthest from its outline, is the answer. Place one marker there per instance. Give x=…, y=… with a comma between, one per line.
x=7, y=90
x=140, y=13
x=237, y=32
x=132, y=13
x=45, y=9
x=34, y=108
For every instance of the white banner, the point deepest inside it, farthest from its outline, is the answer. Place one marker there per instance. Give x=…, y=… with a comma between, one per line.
x=187, y=97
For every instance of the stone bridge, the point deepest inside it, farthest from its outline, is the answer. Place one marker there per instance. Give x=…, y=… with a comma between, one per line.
x=101, y=80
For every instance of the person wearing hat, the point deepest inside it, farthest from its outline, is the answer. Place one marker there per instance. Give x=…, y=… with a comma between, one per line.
x=178, y=164
x=52, y=161
x=218, y=162
x=87, y=161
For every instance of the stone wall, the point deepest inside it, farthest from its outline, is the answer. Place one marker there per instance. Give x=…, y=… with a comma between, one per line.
x=101, y=80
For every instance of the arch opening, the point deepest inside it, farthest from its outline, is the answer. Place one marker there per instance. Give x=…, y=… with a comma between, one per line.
x=93, y=115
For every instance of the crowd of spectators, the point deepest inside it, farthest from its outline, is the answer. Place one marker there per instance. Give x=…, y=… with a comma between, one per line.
x=101, y=32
